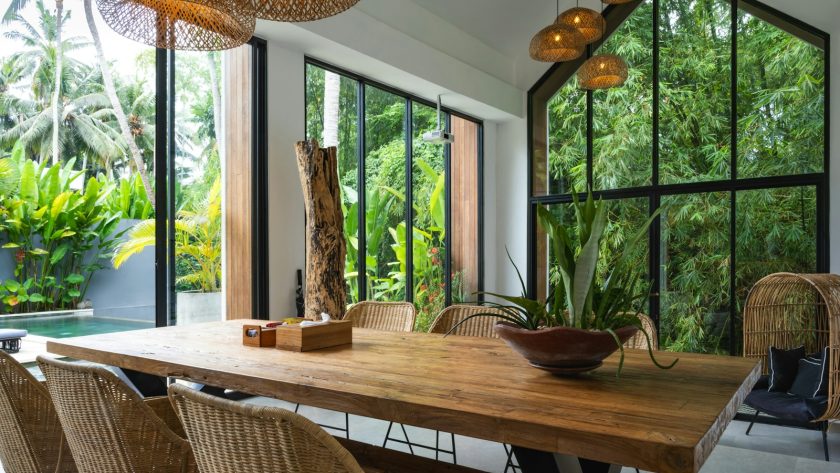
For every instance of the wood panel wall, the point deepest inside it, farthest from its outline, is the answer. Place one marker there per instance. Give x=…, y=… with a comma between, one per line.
x=464, y=169
x=237, y=177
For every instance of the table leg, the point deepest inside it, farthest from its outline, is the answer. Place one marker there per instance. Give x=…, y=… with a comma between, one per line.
x=535, y=461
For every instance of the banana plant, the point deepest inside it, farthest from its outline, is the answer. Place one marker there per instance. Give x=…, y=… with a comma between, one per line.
x=198, y=234
x=58, y=227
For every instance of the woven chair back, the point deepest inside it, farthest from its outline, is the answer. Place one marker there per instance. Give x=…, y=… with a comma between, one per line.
x=231, y=437
x=31, y=440
x=475, y=327
x=385, y=316
x=107, y=424
x=639, y=341
x=787, y=310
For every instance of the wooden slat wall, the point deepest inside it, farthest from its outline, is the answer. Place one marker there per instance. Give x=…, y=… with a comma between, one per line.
x=464, y=165
x=237, y=180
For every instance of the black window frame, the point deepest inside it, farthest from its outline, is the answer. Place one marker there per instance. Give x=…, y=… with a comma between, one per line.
x=362, y=83
x=165, y=179
x=654, y=192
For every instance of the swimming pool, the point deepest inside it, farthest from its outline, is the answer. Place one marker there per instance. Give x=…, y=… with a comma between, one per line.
x=72, y=325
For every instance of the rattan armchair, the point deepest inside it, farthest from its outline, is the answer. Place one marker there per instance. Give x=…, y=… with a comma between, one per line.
x=231, y=437
x=638, y=341
x=475, y=327
x=385, y=316
x=31, y=439
x=110, y=428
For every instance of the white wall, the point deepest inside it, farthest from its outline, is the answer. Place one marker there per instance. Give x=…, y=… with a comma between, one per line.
x=286, y=126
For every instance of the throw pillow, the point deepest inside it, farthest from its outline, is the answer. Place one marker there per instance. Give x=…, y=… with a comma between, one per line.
x=808, y=378
x=783, y=367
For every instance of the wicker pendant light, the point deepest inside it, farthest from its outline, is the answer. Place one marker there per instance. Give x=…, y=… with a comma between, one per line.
x=589, y=23
x=300, y=10
x=603, y=71
x=194, y=25
x=557, y=43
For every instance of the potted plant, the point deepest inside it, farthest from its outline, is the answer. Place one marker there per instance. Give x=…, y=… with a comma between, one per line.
x=585, y=318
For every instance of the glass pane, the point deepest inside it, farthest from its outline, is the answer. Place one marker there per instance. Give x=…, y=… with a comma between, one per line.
x=566, y=166
x=465, y=211
x=335, y=122
x=781, y=106
x=623, y=116
x=428, y=186
x=777, y=232
x=694, y=266
x=626, y=218
x=96, y=175
x=695, y=103
x=198, y=194
x=385, y=195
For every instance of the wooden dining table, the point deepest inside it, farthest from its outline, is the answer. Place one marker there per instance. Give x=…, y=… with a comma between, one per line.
x=665, y=421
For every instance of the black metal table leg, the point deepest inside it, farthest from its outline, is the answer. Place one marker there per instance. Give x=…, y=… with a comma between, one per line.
x=535, y=461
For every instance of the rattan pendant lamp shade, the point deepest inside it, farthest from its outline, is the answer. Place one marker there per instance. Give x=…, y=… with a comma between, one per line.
x=557, y=43
x=603, y=71
x=589, y=23
x=300, y=10
x=194, y=25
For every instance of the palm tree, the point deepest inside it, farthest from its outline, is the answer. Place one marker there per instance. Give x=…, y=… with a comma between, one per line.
x=116, y=105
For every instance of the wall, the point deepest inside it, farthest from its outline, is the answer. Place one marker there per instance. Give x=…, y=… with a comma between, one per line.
x=286, y=126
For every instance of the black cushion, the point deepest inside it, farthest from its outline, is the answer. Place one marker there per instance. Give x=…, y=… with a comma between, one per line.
x=783, y=367
x=787, y=406
x=823, y=358
x=809, y=377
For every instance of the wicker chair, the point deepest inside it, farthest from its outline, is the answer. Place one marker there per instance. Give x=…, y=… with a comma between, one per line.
x=476, y=327
x=385, y=316
x=231, y=437
x=638, y=341
x=110, y=428
x=31, y=440
x=787, y=310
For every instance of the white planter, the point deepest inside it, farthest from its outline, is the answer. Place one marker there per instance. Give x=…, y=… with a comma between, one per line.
x=198, y=307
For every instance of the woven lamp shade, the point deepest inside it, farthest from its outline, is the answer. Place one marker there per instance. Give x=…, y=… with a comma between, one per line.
x=589, y=23
x=602, y=72
x=557, y=43
x=300, y=10
x=193, y=25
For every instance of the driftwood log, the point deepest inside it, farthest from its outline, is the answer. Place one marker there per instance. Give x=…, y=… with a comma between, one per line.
x=326, y=248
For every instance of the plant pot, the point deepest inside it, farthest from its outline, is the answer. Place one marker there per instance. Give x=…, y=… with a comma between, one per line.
x=563, y=350
x=199, y=307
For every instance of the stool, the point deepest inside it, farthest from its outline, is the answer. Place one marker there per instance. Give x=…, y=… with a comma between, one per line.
x=10, y=339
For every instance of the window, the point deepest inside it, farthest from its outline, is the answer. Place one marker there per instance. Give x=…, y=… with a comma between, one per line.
x=139, y=137
x=411, y=207
x=721, y=125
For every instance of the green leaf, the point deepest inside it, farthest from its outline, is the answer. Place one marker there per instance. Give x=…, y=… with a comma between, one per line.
x=36, y=297
x=74, y=278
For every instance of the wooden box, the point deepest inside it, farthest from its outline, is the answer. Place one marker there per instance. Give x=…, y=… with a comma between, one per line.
x=257, y=336
x=316, y=337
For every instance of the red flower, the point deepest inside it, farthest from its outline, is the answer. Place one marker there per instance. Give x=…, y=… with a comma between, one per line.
x=20, y=255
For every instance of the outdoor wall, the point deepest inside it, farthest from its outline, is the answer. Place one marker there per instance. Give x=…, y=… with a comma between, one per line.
x=286, y=126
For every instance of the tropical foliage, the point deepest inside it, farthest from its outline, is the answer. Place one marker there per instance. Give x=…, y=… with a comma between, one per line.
x=780, y=131
x=77, y=140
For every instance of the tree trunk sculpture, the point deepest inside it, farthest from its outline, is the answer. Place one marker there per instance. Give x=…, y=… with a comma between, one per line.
x=326, y=248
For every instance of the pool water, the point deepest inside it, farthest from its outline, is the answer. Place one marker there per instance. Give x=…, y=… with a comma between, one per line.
x=72, y=326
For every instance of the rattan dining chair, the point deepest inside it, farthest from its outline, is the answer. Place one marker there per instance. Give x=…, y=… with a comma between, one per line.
x=232, y=437
x=110, y=428
x=31, y=438
x=375, y=315
x=385, y=316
